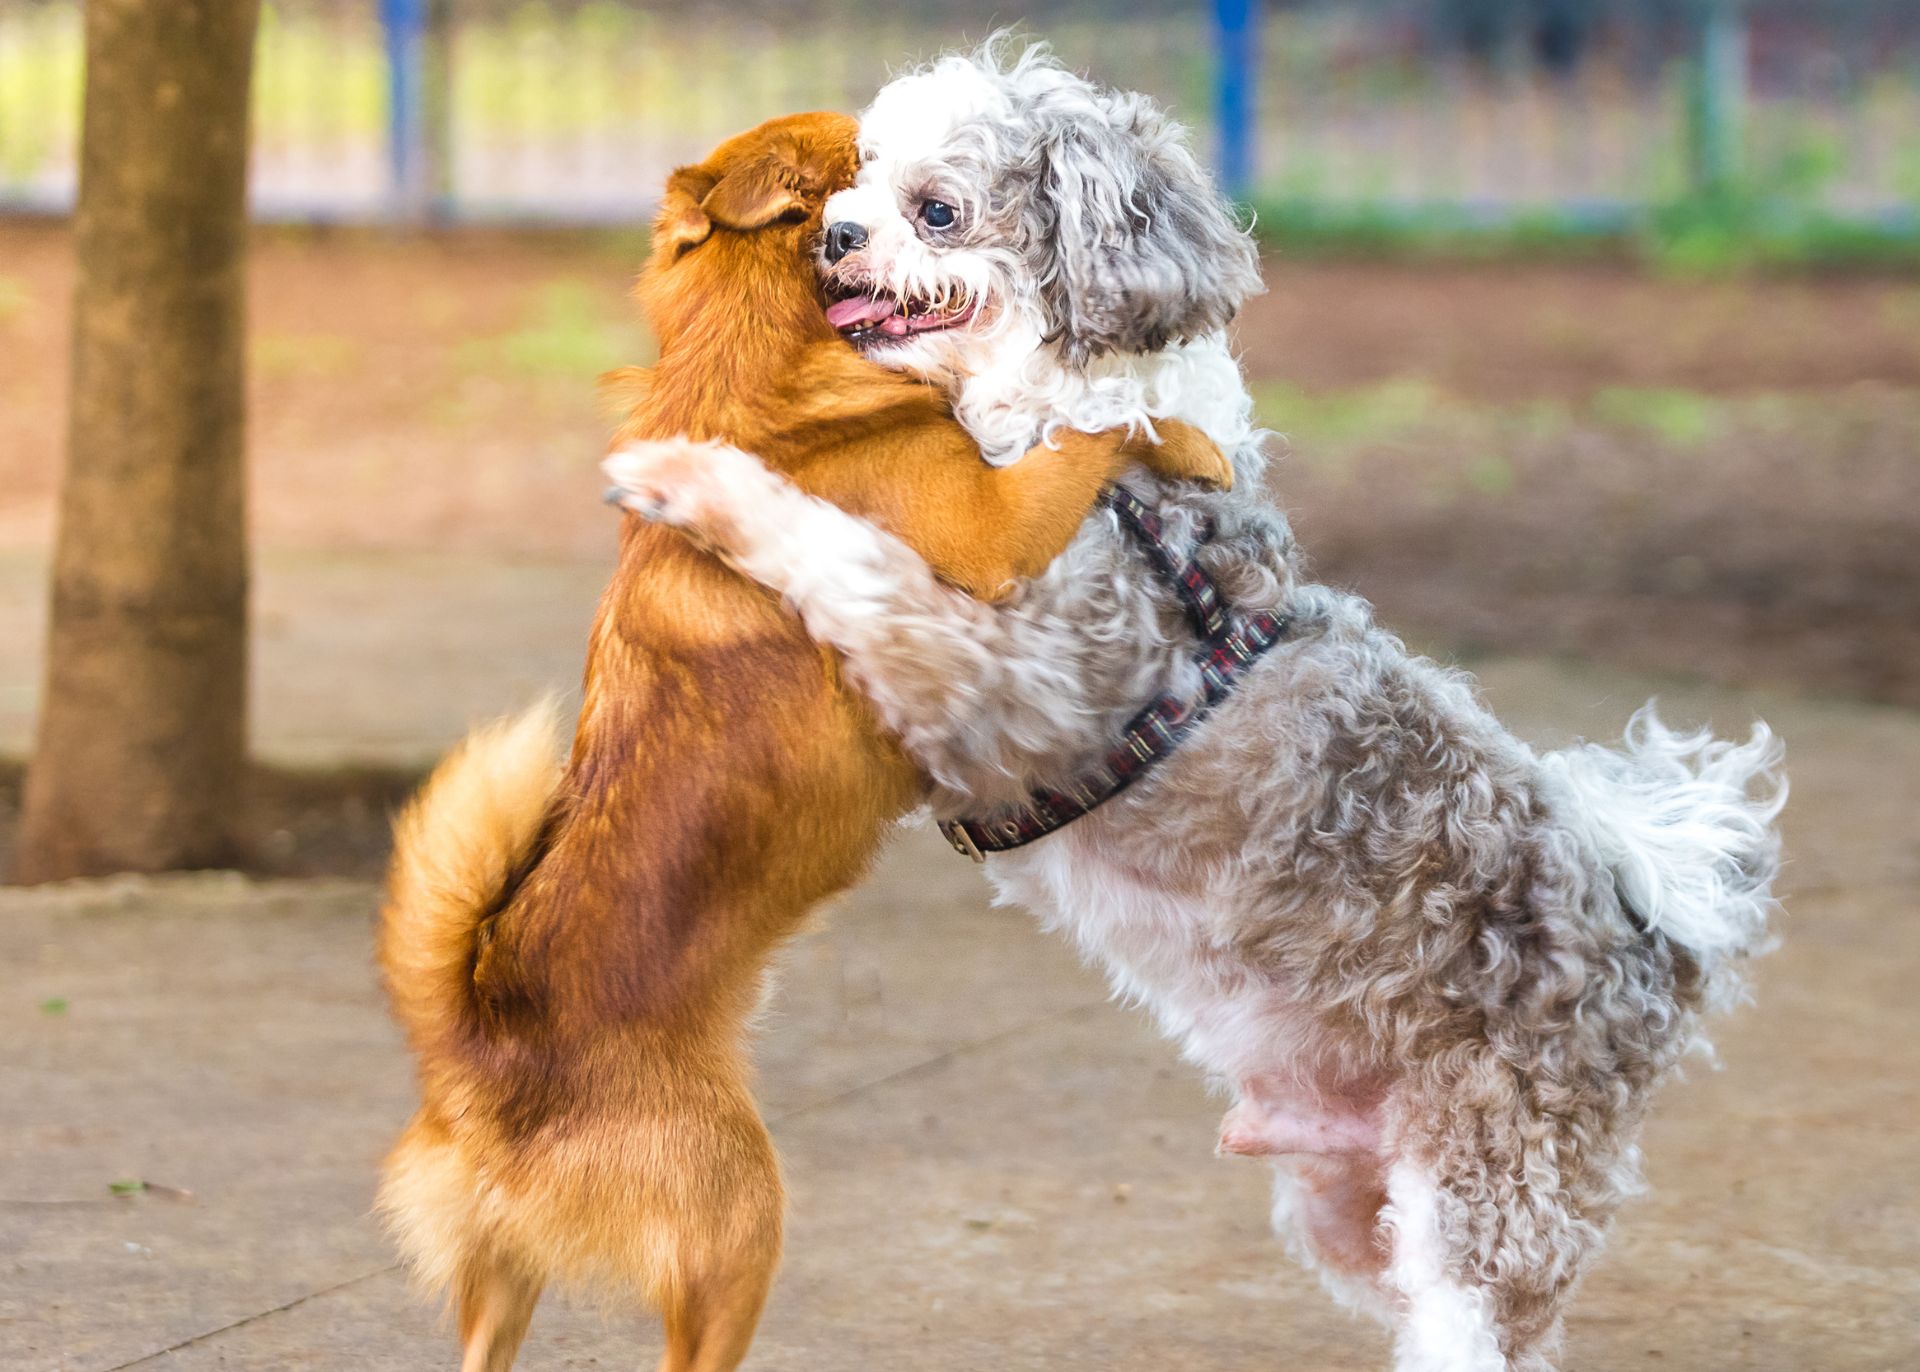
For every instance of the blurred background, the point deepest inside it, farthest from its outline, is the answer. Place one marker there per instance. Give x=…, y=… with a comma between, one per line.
x=1592, y=329
x=1592, y=348
x=1578, y=113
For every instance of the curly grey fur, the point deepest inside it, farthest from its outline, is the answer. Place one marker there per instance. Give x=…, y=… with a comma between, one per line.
x=1134, y=249
x=1351, y=881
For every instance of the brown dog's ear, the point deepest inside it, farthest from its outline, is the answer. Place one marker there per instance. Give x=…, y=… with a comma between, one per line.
x=681, y=222
x=757, y=194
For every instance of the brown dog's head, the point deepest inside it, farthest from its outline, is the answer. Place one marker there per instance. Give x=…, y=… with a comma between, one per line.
x=737, y=231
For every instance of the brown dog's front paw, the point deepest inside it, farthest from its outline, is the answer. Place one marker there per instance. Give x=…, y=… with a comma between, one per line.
x=1184, y=453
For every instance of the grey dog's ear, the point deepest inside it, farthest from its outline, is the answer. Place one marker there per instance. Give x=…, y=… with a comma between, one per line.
x=1137, y=248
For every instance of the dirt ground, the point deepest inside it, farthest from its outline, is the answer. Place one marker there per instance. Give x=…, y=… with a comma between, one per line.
x=994, y=1166
x=1710, y=477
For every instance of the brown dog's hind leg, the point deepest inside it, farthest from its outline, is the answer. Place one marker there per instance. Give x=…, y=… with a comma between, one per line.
x=496, y=1305
x=710, y=1325
x=729, y=1211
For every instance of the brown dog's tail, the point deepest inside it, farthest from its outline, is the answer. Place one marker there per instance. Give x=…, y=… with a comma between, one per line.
x=457, y=848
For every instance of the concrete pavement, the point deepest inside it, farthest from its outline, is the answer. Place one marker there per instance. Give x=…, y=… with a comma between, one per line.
x=992, y=1167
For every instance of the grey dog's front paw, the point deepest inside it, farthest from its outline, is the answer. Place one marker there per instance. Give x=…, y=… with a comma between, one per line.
x=663, y=481
x=717, y=495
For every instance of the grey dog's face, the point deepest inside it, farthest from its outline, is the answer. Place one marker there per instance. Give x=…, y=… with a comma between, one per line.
x=1000, y=210
x=921, y=257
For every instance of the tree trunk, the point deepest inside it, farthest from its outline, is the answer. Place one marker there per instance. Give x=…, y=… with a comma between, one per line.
x=141, y=747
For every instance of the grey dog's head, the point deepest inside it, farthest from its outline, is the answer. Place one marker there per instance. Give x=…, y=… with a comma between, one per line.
x=1007, y=205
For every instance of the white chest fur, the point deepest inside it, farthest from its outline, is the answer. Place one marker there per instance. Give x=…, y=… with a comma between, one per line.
x=1169, y=951
x=1007, y=408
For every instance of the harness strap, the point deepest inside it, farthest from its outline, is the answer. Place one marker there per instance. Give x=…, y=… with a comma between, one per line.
x=1153, y=734
x=1199, y=597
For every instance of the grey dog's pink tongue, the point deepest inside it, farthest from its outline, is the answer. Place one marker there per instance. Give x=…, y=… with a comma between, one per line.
x=861, y=309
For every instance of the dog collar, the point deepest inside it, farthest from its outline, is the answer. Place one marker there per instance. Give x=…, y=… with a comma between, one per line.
x=1227, y=650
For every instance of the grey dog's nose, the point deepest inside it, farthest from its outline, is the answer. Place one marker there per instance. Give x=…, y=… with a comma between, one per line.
x=843, y=238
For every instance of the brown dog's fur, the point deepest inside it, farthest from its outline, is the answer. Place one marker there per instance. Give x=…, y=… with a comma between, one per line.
x=575, y=955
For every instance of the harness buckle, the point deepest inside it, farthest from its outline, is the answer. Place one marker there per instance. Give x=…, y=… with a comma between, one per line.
x=960, y=840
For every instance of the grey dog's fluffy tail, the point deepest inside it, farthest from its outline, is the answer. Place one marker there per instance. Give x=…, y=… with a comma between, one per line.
x=1685, y=822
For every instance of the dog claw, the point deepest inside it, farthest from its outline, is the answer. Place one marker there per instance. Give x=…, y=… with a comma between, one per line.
x=651, y=508
x=653, y=511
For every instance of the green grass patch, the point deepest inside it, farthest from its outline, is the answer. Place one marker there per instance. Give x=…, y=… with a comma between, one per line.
x=1490, y=474
x=1453, y=446
x=313, y=356
x=1334, y=433
x=570, y=332
x=1684, y=419
x=15, y=300
x=1356, y=414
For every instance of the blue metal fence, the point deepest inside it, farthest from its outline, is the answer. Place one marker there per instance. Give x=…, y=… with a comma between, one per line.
x=1236, y=88
x=574, y=110
x=404, y=23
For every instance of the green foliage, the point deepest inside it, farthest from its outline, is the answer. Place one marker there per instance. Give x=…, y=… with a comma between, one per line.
x=1303, y=225
x=317, y=80
x=1775, y=215
x=534, y=81
x=1692, y=235
x=54, y=1005
x=41, y=57
x=128, y=1186
x=1739, y=229
x=1778, y=214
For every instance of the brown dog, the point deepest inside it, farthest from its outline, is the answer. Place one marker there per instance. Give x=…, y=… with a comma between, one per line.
x=575, y=955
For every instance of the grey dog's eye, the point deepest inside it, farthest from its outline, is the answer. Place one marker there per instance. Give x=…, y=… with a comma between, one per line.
x=937, y=214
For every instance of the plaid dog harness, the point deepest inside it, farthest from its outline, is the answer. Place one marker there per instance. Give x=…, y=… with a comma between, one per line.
x=1227, y=649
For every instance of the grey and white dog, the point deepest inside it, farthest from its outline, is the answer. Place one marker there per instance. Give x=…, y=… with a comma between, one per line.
x=1440, y=974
